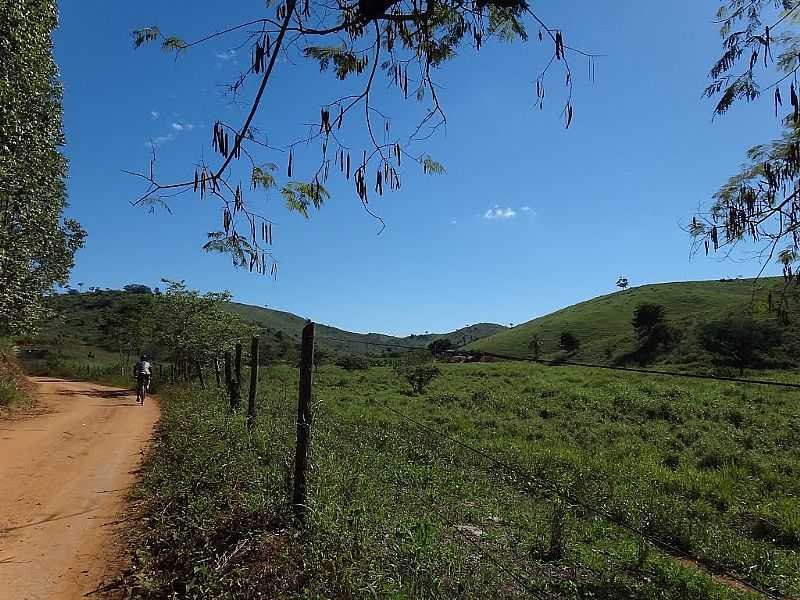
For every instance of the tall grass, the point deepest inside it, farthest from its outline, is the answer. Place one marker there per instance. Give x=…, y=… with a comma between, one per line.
x=399, y=512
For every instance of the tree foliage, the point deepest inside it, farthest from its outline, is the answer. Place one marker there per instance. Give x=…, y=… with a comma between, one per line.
x=421, y=376
x=37, y=244
x=569, y=342
x=647, y=318
x=440, y=346
x=194, y=328
x=365, y=44
x=652, y=329
x=760, y=203
x=740, y=339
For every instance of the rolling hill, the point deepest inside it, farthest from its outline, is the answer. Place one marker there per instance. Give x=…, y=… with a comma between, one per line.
x=603, y=324
x=76, y=329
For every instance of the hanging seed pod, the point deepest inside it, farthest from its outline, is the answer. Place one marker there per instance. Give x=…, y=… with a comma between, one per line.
x=289, y=167
x=348, y=165
x=258, y=55
x=379, y=183
x=267, y=45
x=195, y=180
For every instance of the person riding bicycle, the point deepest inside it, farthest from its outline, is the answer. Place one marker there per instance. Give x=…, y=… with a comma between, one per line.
x=142, y=372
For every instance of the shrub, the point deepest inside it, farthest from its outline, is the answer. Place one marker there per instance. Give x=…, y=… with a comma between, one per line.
x=569, y=343
x=353, y=363
x=440, y=346
x=647, y=317
x=740, y=339
x=421, y=376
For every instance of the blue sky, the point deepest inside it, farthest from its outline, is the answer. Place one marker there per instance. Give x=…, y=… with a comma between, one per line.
x=529, y=217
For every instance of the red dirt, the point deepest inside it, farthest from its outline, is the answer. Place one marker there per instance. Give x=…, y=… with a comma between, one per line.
x=65, y=473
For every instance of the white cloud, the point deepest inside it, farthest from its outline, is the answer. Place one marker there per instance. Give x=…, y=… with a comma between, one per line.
x=162, y=139
x=171, y=136
x=453, y=222
x=500, y=213
x=227, y=55
x=153, y=114
x=525, y=208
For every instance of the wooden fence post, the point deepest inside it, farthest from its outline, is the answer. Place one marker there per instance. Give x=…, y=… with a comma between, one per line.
x=251, y=399
x=304, y=421
x=216, y=371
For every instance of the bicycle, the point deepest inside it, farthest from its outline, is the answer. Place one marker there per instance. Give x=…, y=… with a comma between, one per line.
x=141, y=388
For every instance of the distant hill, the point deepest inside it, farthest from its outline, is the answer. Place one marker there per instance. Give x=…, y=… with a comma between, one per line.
x=76, y=333
x=603, y=325
x=341, y=341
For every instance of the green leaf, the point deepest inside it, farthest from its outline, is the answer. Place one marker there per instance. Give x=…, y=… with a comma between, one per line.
x=432, y=167
x=173, y=44
x=300, y=196
x=145, y=35
x=261, y=176
x=345, y=61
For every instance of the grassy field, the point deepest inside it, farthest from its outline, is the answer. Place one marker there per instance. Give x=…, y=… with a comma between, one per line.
x=603, y=324
x=712, y=469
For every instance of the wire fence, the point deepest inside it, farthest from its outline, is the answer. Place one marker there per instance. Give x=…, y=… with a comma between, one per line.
x=670, y=549
x=557, y=362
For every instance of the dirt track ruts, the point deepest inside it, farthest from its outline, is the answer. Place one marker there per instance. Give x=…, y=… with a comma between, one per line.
x=64, y=474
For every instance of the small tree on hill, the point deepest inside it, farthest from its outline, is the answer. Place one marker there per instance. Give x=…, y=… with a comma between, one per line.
x=652, y=329
x=569, y=343
x=647, y=317
x=740, y=339
x=623, y=283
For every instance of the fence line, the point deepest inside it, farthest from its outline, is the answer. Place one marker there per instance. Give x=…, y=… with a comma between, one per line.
x=303, y=445
x=559, y=362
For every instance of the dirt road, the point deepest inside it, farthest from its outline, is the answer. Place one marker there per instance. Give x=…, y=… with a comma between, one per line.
x=63, y=478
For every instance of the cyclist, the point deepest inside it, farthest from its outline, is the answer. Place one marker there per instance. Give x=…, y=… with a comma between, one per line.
x=142, y=372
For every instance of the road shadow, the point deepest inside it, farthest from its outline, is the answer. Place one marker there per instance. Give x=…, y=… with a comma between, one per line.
x=108, y=394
